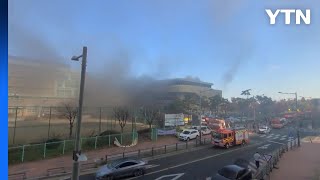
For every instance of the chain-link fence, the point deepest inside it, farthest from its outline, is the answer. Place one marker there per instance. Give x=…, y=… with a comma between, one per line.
x=34, y=124
x=32, y=152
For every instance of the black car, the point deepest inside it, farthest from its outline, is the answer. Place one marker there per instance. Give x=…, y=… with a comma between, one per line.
x=233, y=172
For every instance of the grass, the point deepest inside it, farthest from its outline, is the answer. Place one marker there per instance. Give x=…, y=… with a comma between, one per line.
x=33, y=134
x=37, y=131
x=34, y=152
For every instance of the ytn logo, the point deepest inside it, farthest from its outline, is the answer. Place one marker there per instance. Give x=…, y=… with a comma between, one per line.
x=287, y=14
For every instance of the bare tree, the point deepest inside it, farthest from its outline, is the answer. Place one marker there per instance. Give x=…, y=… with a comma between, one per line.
x=70, y=112
x=122, y=115
x=151, y=114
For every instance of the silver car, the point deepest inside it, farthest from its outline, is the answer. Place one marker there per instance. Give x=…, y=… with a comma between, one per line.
x=121, y=168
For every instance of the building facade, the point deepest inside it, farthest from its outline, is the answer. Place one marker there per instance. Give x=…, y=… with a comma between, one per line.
x=179, y=87
x=36, y=84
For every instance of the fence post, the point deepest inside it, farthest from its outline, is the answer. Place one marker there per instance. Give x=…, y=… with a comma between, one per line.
x=100, y=110
x=49, y=126
x=95, y=142
x=123, y=155
x=15, y=125
x=22, y=156
x=165, y=149
x=106, y=158
x=64, y=146
x=152, y=151
x=44, y=150
x=176, y=146
x=109, y=140
x=121, y=138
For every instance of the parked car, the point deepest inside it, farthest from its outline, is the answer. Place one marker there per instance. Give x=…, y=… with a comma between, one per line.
x=204, y=129
x=233, y=119
x=121, y=168
x=188, y=134
x=264, y=130
x=233, y=172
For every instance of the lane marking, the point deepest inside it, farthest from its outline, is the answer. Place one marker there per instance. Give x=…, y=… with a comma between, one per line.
x=282, y=139
x=276, y=142
x=152, y=166
x=197, y=160
x=176, y=176
x=264, y=146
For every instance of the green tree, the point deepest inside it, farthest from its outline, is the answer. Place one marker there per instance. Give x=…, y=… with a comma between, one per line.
x=225, y=106
x=214, y=103
x=246, y=93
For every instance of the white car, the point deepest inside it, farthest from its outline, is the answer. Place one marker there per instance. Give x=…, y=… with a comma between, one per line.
x=205, y=130
x=189, y=134
x=264, y=130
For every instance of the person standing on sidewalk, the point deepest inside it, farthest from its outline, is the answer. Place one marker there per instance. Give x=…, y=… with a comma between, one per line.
x=257, y=157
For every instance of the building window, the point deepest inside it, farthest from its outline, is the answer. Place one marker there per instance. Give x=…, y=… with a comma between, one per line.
x=64, y=93
x=31, y=109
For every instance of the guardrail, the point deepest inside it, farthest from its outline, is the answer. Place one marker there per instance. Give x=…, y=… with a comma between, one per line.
x=264, y=172
x=140, y=153
x=158, y=150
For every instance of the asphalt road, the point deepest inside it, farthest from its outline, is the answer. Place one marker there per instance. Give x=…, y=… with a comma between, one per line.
x=204, y=163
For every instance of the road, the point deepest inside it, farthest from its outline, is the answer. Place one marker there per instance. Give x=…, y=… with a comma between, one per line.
x=204, y=163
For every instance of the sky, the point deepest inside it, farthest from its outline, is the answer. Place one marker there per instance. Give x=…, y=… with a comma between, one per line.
x=228, y=43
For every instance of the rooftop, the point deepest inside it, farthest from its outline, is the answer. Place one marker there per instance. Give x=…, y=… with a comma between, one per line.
x=186, y=80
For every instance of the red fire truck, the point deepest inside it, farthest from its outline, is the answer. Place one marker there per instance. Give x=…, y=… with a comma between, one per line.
x=230, y=137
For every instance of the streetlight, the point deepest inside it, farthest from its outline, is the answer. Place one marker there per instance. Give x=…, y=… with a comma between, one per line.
x=296, y=95
x=77, y=148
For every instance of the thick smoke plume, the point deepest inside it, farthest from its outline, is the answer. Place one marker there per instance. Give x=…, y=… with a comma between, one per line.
x=37, y=79
x=114, y=85
x=117, y=86
x=240, y=56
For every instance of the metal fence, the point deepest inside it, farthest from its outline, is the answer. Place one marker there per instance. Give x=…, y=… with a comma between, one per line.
x=32, y=152
x=264, y=172
x=34, y=124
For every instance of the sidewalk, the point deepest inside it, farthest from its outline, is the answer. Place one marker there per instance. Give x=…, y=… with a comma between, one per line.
x=39, y=168
x=302, y=163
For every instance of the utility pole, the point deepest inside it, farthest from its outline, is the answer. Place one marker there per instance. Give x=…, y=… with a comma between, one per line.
x=296, y=107
x=200, y=119
x=77, y=149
